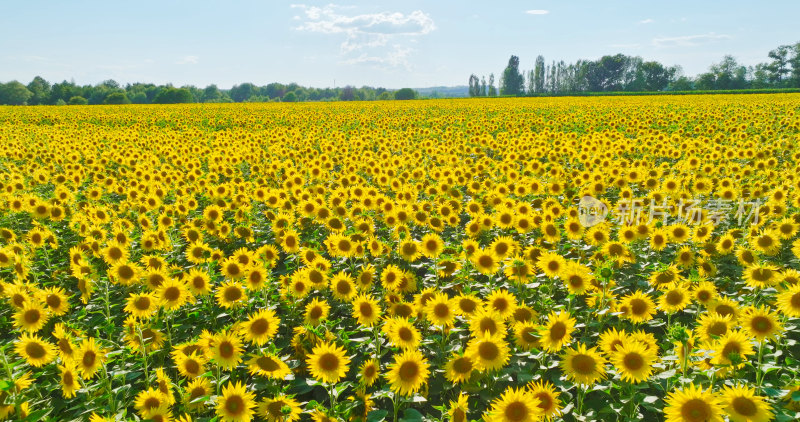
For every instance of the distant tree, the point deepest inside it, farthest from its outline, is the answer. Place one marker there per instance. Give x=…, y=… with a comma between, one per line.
x=405, y=94
x=172, y=95
x=40, y=89
x=14, y=93
x=512, y=82
x=348, y=93
x=483, y=86
x=780, y=66
x=656, y=76
x=474, y=86
x=290, y=97
x=138, y=97
x=118, y=97
x=240, y=93
x=385, y=96
x=492, y=90
x=78, y=100
x=762, y=76
x=794, y=62
x=538, y=74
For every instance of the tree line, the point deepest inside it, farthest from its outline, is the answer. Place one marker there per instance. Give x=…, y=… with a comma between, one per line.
x=41, y=92
x=631, y=73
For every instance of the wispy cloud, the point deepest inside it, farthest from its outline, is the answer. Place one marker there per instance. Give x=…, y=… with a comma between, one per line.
x=377, y=38
x=537, y=12
x=646, y=21
x=689, y=40
x=188, y=60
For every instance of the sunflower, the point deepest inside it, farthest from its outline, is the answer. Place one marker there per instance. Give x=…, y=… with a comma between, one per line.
x=439, y=310
x=705, y=292
x=466, y=304
x=502, y=302
x=768, y=242
x=34, y=350
x=712, y=325
x=226, y=349
x=576, y=278
x=196, y=393
x=583, y=366
x=547, y=395
x=68, y=378
x=485, y=261
x=369, y=372
x=788, y=301
x=760, y=276
x=236, y=403
x=409, y=250
x=674, y=298
x=693, y=404
x=761, y=323
x=515, y=405
x=328, y=363
x=402, y=333
x=634, y=361
x=551, y=264
x=743, y=405
x=366, y=310
x=231, y=295
x=639, y=307
x=55, y=299
x=31, y=317
x=557, y=332
x=659, y=238
x=504, y=247
x=268, y=365
x=458, y=408
x=526, y=335
x=149, y=401
x=281, y=408
x=486, y=320
x=316, y=311
x=89, y=358
x=488, y=352
x=408, y=373
x=459, y=368
x=611, y=340
x=733, y=345
x=141, y=305
x=125, y=273
x=198, y=282
x=172, y=294
x=431, y=245
x=260, y=327
x=343, y=287
x=725, y=306
x=190, y=366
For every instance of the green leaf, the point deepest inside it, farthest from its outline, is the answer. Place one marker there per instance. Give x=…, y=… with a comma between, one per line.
x=651, y=399
x=796, y=396
x=411, y=415
x=5, y=385
x=377, y=415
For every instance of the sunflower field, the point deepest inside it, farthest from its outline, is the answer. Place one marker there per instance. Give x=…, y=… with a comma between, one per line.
x=509, y=260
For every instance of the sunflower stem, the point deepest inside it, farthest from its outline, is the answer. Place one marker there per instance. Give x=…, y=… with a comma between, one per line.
x=759, y=371
x=143, y=348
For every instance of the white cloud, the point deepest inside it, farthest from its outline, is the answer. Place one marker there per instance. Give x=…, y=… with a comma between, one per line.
x=188, y=60
x=366, y=36
x=646, y=21
x=689, y=40
x=537, y=12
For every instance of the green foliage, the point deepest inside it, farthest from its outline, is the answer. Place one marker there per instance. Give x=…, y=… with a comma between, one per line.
x=78, y=100
x=173, y=96
x=405, y=94
x=512, y=82
x=117, y=98
x=14, y=93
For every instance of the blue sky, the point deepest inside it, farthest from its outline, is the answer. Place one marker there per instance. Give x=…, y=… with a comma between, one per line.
x=390, y=44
